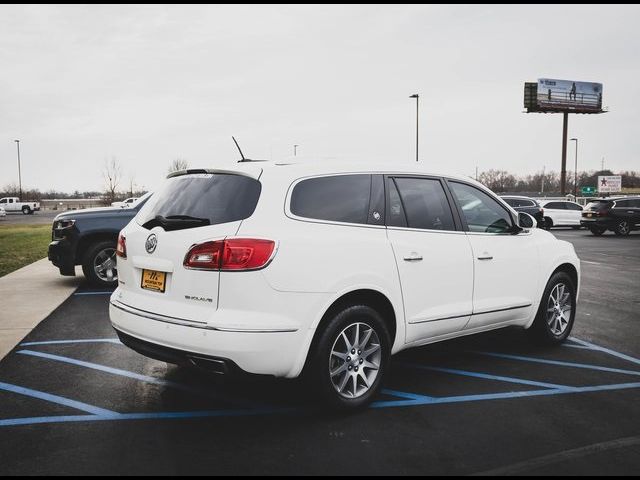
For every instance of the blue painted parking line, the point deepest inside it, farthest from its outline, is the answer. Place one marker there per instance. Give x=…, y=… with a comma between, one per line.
x=404, y=399
x=557, y=362
x=133, y=375
x=115, y=341
x=47, y=397
x=485, y=376
x=622, y=356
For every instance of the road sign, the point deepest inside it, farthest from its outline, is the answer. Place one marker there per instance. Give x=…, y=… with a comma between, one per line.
x=609, y=184
x=588, y=190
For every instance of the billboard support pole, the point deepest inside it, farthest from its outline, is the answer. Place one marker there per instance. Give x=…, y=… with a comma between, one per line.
x=563, y=171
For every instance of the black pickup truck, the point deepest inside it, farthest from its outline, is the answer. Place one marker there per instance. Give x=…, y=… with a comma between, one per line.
x=89, y=238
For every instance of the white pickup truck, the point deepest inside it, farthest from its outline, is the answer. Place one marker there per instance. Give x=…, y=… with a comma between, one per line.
x=13, y=204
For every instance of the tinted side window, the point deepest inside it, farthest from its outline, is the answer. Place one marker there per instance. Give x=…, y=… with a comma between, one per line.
x=4, y=200
x=424, y=203
x=573, y=206
x=482, y=213
x=623, y=204
x=339, y=198
x=512, y=202
x=556, y=206
x=635, y=203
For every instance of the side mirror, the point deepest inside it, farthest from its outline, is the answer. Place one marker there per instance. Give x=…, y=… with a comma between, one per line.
x=526, y=221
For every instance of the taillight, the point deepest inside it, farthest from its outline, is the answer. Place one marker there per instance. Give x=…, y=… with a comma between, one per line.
x=234, y=254
x=602, y=213
x=121, y=249
x=541, y=211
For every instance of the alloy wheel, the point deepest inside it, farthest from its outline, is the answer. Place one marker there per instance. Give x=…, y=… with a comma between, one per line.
x=355, y=360
x=559, y=308
x=104, y=265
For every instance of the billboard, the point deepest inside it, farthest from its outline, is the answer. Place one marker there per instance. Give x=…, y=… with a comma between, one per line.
x=552, y=95
x=609, y=184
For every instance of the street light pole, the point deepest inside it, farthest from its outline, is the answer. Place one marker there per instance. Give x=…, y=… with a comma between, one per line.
x=417, y=97
x=19, y=172
x=575, y=172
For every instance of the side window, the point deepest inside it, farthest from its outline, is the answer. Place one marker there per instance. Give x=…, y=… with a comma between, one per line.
x=573, y=206
x=623, y=204
x=482, y=213
x=423, y=202
x=635, y=203
x=512, y=202
x=556, y=206
x=4, y=200
x=11, y=200
x=339, y=198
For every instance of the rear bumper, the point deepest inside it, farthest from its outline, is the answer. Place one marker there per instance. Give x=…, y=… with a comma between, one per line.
x=280, y=354
x=596, y=222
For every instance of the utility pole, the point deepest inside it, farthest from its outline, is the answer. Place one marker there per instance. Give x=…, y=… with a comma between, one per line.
x=19, y=172
x=417, y=97
x=563, y=171
x=575, y=172
x=476, y=173
x=542, y=187
x=295, y=150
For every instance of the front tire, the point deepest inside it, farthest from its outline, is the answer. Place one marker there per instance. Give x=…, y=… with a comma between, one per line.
x=548, y=223
x=99, y=264
x=26, y=210
x=557, y=311
x=350, y=358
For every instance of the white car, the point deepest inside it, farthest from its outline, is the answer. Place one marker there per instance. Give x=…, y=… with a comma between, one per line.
x=277, y=269
x=561, y=213
x=128, y=202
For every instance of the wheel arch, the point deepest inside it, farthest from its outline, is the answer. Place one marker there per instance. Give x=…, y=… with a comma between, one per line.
x=362, y=296
x=90, y=239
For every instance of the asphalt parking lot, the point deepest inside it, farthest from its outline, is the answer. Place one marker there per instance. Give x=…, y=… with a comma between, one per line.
x=43, y=217
x=73, y=400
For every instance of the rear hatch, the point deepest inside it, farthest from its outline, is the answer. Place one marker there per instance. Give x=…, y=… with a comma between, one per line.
x=189, y=209
x=596, y=208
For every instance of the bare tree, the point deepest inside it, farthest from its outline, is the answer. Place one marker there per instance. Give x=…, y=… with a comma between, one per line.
x=112, y=174
x=177, y=165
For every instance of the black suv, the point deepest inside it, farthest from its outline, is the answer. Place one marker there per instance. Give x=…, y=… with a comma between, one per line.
x=526, y=205
x=89, y=238
x=620, y=215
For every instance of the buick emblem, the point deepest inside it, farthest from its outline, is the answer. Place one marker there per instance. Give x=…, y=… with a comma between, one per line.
x=151, y=243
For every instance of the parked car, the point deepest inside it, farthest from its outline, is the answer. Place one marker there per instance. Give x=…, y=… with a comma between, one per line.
x=13, y=204
x=88, y=238
x=328, y=270
x=561, y=213
x=527, y=205
x=125, y=203
x=620, y=215
x=3, y=213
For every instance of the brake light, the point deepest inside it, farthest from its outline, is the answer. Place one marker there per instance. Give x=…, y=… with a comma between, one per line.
x=121, y=249
x=602, y=213
x=541, y=211
x=234, y=254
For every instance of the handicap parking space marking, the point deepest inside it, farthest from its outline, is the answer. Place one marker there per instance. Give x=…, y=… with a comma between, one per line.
x=48, y=397
x=402, y=399
x=137, y=376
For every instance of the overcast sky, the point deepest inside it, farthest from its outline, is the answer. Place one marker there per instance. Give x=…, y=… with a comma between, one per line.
x=146, y=84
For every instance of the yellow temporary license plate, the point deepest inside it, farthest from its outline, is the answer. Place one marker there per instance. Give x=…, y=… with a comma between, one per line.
x=152, y=280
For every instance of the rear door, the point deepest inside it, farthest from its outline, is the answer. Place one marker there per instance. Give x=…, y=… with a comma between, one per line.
x=433, y=257
x=574, y=213
x=628, y=210
x=188, y=210
x=557, y=212
x=506, y=265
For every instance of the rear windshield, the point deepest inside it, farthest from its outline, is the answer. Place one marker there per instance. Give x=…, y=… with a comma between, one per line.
x=198, y=200
x=598, y=205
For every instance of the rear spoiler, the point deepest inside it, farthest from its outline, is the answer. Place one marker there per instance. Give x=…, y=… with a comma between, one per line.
x=254, y=172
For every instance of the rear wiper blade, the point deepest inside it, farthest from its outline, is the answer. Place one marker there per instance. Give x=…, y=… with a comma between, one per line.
x=183, y=218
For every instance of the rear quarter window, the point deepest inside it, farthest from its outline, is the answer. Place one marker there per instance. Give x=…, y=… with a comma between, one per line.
x=339, y=198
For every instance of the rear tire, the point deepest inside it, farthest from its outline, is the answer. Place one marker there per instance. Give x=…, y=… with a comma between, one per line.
x=597, y=231
x=99, y=264
x=622, y=228
x=349, y=361
x=26, y=210
x=557, y=311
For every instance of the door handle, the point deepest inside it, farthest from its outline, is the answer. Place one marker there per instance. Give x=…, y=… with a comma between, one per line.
x=485, y=256
x=413, y=257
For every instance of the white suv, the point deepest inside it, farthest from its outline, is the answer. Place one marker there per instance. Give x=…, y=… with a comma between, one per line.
x=278, y=269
